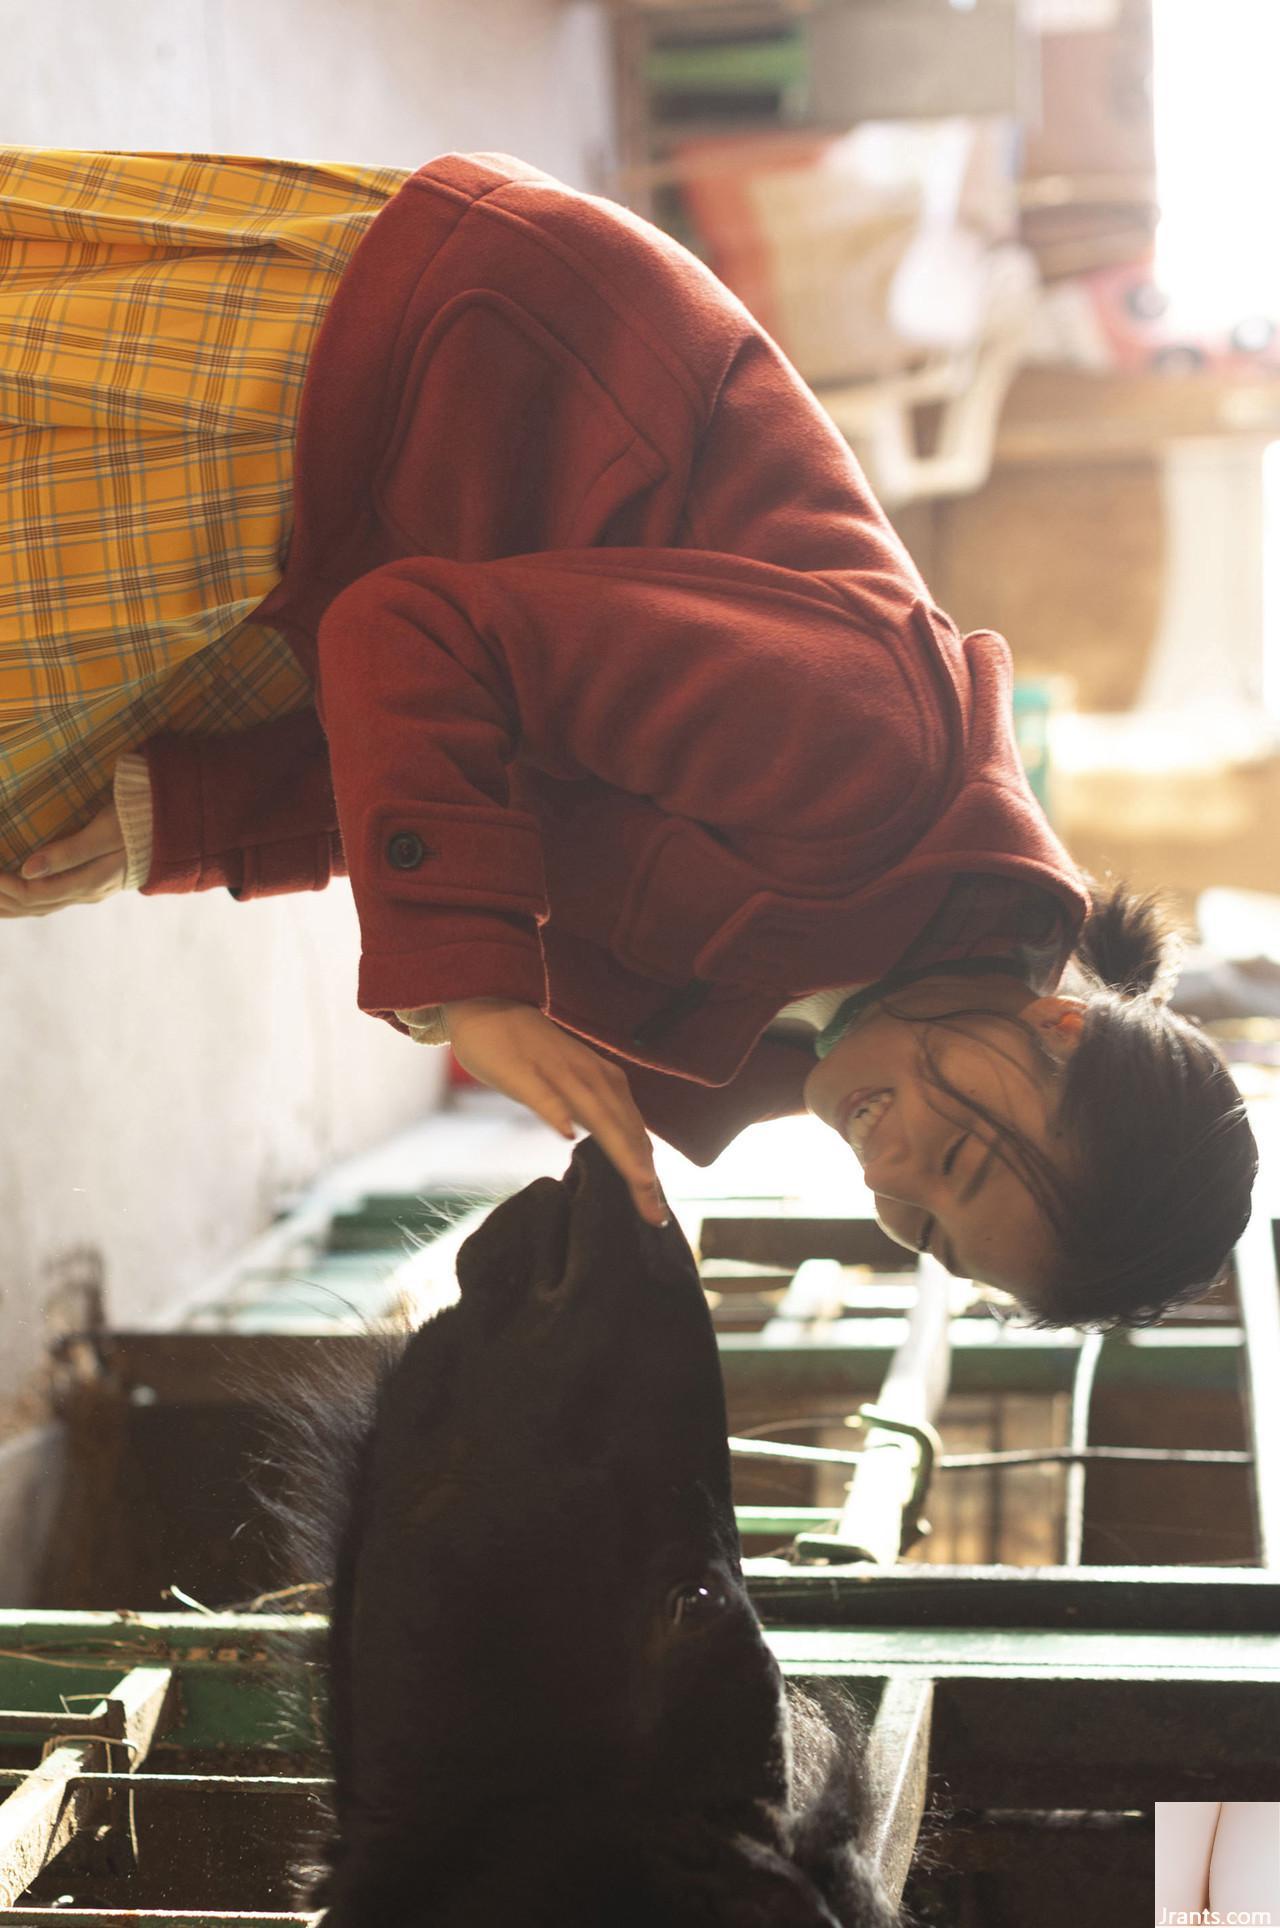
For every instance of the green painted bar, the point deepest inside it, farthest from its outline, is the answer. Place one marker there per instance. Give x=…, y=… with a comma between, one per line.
x=246, y=1680
x=210, y=1367
x=234, y=1668
x=391, y=1221
x=853, y=1354
x=395, y=1208
x=997, y=1653
x=915, y=1593
x=784, y=1522
x=773, y=61
x=158, y=1917
x=286, y=1784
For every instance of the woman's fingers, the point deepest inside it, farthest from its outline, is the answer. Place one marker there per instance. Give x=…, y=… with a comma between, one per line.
x=601, y=1101
x=540, y=1095
x=100, y=837
x=565, y=1093
x=517, y=1049
x=87, y=884
x=78, y=869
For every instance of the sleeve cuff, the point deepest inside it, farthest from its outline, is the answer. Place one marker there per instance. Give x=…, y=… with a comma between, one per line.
x=490, y=960
x=425, y=1025
x=131, y=789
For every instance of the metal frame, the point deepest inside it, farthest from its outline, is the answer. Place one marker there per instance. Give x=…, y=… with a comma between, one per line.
x=1011, y=1711
x=55, y=1801
x=1167, y=1662
x=882, y=1514
x=994, y=1678
x=202, y=1683
x=1256, y=1289
x=160, y=1917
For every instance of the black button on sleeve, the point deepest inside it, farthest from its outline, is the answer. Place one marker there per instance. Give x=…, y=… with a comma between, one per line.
x=406, y=850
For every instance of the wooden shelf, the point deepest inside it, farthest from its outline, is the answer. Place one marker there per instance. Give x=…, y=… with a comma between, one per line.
x=1069, y=414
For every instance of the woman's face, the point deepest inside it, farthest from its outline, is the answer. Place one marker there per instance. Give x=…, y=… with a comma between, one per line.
x=933, y=1164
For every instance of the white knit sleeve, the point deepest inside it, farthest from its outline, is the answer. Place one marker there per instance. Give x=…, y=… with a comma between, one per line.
x=425, y=1025
x=131, y=791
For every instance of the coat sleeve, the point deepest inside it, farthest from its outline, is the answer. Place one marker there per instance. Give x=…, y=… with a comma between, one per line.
x=253, y=811
x=700, y=1120
x=733, y=693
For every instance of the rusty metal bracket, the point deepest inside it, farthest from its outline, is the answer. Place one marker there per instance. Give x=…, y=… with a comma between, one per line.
x=830, y=1546
x=930, y=1444
x=54, y=1802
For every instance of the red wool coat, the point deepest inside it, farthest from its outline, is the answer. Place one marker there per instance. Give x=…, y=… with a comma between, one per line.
x=632, y=703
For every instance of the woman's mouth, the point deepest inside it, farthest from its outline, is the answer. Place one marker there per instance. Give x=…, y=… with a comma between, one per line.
x=858, y=1117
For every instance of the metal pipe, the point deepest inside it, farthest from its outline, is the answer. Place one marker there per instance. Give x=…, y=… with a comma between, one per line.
x=1256, y=1291
x=776, y=1449
x=1065, y=1455
x=814, y=1298
x=190, y=1783
x=1081, y=1394
x=885, y=1490
x=158, y=1917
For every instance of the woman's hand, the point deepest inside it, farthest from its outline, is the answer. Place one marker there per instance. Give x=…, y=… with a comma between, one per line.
x=80, y=869
x=515, y=1049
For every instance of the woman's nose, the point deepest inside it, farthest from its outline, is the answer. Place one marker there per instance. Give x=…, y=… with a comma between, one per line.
x=904, y=1181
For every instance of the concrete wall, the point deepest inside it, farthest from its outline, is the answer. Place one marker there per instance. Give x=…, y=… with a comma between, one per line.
x=171, y=1067
x=175, y=1066
x=391, y=81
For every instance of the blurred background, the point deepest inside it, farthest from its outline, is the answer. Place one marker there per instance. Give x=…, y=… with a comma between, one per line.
x=1023, y=250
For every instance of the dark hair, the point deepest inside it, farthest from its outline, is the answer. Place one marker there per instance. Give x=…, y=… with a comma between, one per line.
x=1165, y=1159
x=1162, y=1158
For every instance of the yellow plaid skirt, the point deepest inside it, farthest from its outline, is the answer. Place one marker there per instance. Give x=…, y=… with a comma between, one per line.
x=156, y=316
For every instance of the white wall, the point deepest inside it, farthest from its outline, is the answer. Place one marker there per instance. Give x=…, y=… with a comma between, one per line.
x=171, y=1066
x=176, y=1065
x=389, y=81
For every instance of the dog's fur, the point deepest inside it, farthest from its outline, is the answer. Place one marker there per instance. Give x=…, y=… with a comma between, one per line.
x=550, y=1699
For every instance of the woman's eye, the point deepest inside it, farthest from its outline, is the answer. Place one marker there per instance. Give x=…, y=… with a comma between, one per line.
x=953, y=1152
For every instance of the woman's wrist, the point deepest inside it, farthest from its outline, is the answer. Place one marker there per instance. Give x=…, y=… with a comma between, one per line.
x=429, y=1023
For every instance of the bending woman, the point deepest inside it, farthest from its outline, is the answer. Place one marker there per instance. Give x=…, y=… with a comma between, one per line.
x=666, y=792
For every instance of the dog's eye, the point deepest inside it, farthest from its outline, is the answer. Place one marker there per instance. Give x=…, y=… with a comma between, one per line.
x=696, y=1601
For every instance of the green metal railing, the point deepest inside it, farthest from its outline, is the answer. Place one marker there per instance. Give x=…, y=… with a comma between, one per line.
x=1012, y=1705
x=161, y=1917
x=1001, y=1680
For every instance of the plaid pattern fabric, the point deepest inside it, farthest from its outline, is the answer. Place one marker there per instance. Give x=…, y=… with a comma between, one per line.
x=157, y=312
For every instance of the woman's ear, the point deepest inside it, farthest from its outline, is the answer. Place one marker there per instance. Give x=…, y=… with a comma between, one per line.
x=1058, y=1022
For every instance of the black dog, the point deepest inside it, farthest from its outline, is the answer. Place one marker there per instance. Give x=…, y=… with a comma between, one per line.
x=551, y=1699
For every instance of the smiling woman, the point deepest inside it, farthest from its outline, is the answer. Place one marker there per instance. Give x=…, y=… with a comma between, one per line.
x=1087, y=1153
x=909, y=1087
x=598, y=667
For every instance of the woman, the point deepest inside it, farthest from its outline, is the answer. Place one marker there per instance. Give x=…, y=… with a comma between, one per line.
x=1217, y=1861
x=653, y=764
